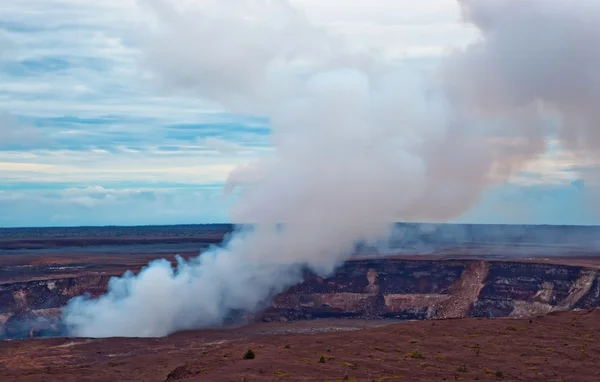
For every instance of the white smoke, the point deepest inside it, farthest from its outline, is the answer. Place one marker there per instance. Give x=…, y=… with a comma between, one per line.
x=537, y=59
x=358, y=144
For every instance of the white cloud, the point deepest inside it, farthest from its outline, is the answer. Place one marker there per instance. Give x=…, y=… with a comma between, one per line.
x=83, y=167
x=399, y=28
x=95, y=205
x=108, y=30
x=221, y=145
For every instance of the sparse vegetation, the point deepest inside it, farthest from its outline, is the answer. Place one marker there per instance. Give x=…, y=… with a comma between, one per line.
x=350, y=365
x=283, y=374
x=416, y=355
x=498, y=373
x=249, y=354
x=322, y=359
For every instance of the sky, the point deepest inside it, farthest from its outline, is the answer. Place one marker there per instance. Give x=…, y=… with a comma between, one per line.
x=87, y=137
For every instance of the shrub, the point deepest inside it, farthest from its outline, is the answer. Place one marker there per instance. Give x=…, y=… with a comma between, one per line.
x=249, y=354
x=416, y=355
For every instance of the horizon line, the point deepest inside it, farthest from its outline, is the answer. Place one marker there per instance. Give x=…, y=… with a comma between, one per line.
x=233, y=225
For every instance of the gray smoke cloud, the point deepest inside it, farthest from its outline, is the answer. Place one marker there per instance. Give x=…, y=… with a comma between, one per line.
x=358, y=143
x=536, y=60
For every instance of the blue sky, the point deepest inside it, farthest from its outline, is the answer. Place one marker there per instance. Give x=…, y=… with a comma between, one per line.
x=87, y=139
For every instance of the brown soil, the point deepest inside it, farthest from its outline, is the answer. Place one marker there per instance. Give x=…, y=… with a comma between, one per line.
x=558, y=347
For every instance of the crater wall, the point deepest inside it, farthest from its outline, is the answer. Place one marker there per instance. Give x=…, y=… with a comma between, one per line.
x=369, y=288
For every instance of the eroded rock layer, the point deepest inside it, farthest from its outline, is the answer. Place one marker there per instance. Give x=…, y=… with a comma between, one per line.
x=412, y=289
x=370, y=288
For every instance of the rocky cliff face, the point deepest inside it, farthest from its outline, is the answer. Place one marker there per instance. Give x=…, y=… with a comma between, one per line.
x=410, y=289
x=373, y=288
x=45, y=294
x=522, y=289
x=31, y=309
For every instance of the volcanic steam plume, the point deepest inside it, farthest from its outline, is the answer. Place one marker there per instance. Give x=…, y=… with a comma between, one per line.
x=358, y=142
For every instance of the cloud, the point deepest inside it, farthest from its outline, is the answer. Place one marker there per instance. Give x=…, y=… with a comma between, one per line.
x=72, y=70
x=13, y=132
x=7, y=48
x=83, y=167
x=398, y=29
x=534, y=64
x=221, y=146
x=559, y=204
x=534, y=53
x=97, y=205
x=261, y=35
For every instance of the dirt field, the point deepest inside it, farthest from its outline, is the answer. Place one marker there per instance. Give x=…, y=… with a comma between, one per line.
x=558, y=347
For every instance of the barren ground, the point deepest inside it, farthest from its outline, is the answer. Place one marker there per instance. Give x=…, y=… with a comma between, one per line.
x=558, y=347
